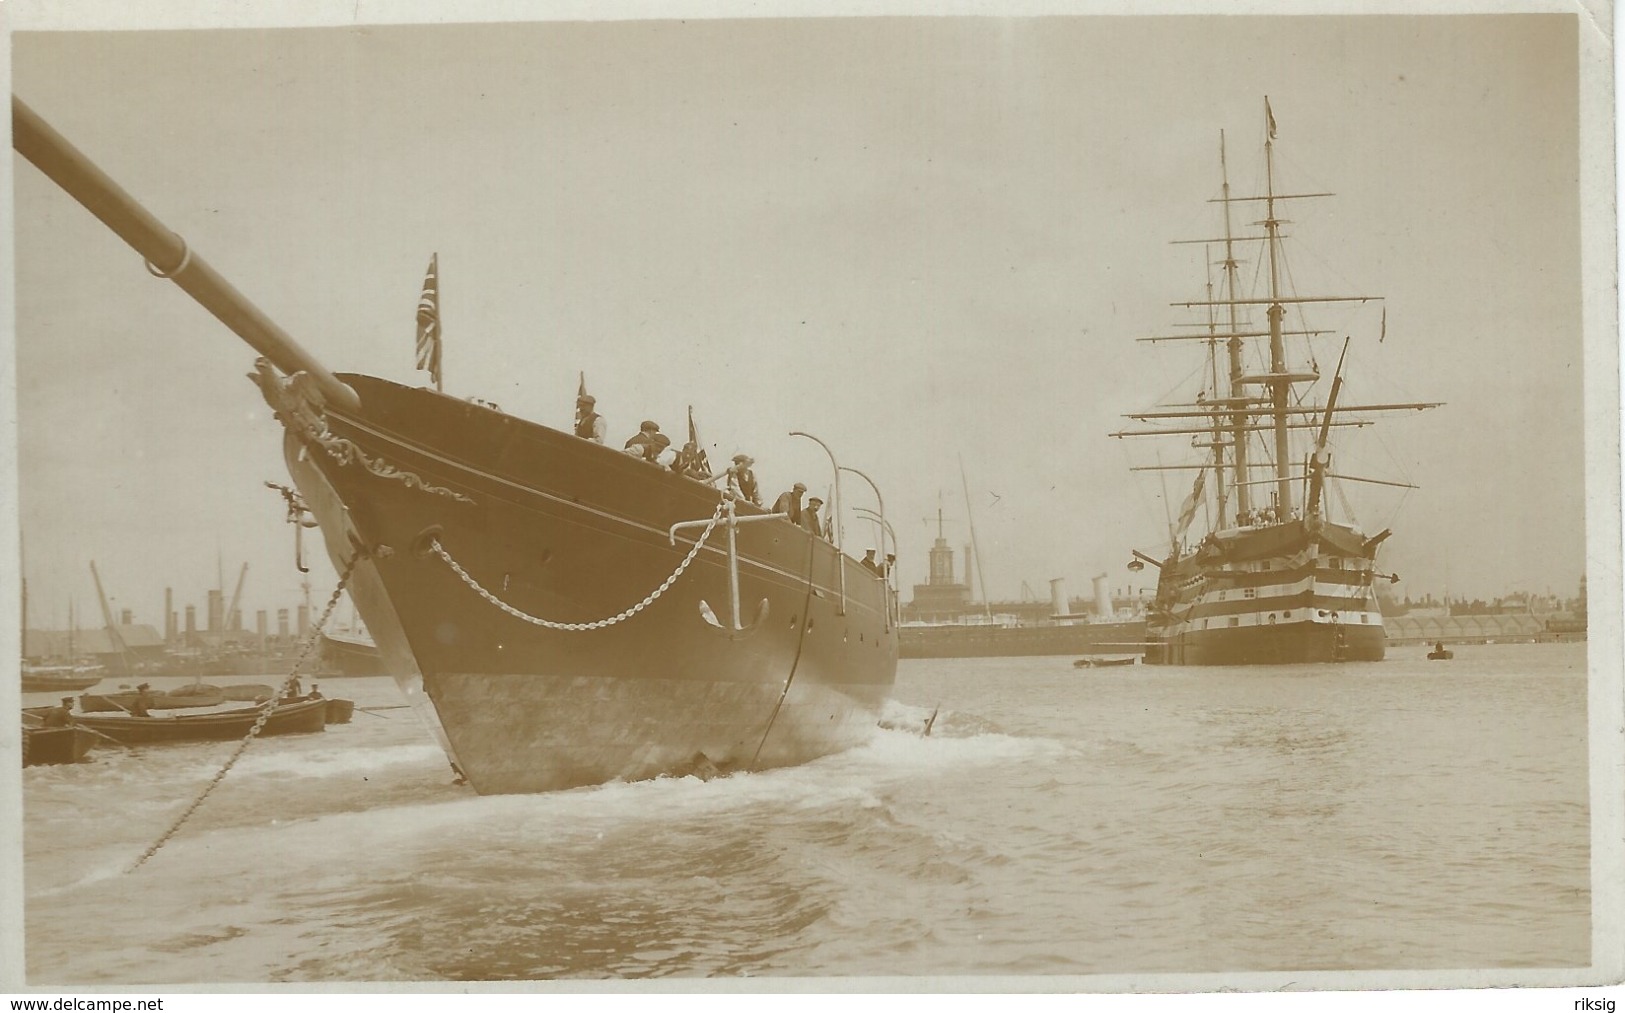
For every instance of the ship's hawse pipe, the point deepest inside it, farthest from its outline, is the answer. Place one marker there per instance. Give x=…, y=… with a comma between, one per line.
x=166, y=253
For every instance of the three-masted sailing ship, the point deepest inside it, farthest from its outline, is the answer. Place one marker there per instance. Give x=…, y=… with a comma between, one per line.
x=1276, y=578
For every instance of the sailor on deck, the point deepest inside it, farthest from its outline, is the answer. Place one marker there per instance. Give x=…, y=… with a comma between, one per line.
x=690, y=463
x=742, y=481
x=589, y=424
x=790, y=503
x=649, y=442
x=809, y=517
x=869, y=561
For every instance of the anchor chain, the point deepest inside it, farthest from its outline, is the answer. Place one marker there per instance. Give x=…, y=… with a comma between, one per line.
x=265, y=712
x=649, y=599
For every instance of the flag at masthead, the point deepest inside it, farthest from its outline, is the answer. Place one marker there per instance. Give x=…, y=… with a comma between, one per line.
x=429, y=322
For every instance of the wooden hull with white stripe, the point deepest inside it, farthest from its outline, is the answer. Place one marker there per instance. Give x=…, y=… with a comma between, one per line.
x=1291, y=593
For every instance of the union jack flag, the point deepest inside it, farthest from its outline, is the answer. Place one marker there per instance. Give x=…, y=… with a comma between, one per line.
x=429, y=322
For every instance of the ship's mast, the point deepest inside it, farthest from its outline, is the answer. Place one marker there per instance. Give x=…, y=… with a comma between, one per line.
x=981, y=571
x=1238, y=420
x=1232, y=416
x=1221, y=493
x=1279, y=381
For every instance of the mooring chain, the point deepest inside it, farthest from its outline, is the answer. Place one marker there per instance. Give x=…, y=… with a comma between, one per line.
x=619, y=617
x=265, y=712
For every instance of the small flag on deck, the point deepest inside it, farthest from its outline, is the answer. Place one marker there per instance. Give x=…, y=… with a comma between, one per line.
x=694, y=438
x=429, y=322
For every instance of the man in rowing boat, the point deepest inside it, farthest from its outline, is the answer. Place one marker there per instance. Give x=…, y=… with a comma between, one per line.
x=60, y=716
x=142, y=707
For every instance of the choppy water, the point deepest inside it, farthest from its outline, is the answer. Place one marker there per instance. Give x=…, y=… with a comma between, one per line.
x=1398, y=815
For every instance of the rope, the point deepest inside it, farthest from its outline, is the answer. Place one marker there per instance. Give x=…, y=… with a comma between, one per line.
x=265, y=712
x=801, y=641
x=622, y=616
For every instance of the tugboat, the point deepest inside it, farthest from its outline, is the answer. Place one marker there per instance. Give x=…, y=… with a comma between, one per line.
x=562, y=613
x=1275, y=579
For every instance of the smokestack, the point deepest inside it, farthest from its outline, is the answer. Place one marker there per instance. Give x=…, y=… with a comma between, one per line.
x=217, y=610
x=1057, y=596
x=1103, y=598
x=970, y=571
x=282, y=623
x=304, y=620
x=125, y=617
x=169, y=615
x=191, y=621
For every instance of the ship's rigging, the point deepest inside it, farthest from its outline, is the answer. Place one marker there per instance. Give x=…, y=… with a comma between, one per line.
x=1257, y=400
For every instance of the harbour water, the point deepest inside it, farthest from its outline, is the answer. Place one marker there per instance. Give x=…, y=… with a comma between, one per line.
x=1398, y=815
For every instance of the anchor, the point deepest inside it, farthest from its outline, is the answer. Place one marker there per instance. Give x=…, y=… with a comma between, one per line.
x=297, y=511
x=737, y=630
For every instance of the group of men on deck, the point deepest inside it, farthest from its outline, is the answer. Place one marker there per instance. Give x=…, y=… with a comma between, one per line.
x=650, y=444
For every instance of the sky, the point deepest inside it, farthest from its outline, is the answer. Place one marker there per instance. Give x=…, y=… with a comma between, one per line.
x=929, y=241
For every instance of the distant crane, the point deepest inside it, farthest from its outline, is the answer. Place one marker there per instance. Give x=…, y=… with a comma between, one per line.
x=113, y=635
x=233, y=617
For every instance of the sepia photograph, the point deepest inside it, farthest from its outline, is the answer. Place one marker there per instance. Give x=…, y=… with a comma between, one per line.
x=1060, y=498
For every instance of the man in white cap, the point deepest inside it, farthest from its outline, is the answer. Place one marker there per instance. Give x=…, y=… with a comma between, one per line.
x=742, y=481
x=589, y=424
x=790, y=503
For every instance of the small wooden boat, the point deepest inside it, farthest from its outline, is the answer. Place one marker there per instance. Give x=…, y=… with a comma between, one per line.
x=1439, y=653
x=196, y=695
x=56, y=745
x=339, y=712
x=287, y=719
x=59, y=678
x=1094, y=662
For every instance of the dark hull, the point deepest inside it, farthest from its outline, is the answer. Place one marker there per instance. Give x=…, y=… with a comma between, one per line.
x=347, y=658
x=1297, y=643
x=41, y=683
x=55, y=745
x=570, y=531
x=957, y=641
x=290, y=719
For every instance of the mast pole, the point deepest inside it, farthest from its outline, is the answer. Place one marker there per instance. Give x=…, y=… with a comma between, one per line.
x=1238, y=421
x=1280, y=385
x=975, y=547
x=1221, y=493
